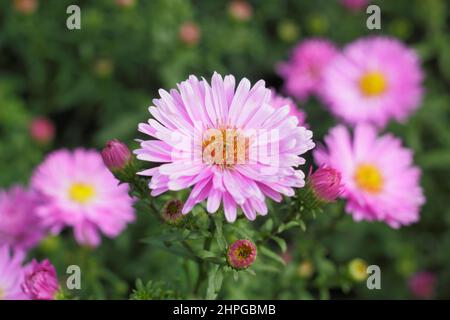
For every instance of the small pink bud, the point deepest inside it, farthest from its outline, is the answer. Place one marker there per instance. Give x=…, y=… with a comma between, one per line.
x=116, y=155
x=423, y=285
x=240, y=10
x=42, y=130
x=326, y=183
x=241, y=254
x=171, y=212
x=41, y=281
x=189, y=33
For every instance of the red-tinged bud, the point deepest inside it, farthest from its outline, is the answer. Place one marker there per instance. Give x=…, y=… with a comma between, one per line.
x=190, y=33
x=42, y=130
x=326, y=184
x=116, y=155
x=241, y=254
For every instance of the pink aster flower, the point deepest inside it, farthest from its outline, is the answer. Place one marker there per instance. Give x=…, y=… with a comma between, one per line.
x=41, y=281
x=278, y=101
x=423, y=285
x=11, y=274
x=374, y=80
x=82, y=193
x=228, y=142
x=381, y=182
x=20, y=226
x=241, y=254
x=303, y=72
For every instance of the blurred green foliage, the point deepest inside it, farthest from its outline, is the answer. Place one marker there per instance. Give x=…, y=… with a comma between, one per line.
x=96, y=84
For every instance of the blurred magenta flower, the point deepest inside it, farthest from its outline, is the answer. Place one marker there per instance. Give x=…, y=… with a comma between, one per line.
x=20, y=226
x=241, y=254
x=240, y=10
x=423, y=285
x=11, y=274
x=302, y=73
x=326, y=183
x=189, y=33
x=374, y=80
x=82, y=193
x=42, y=130
x=208, y=137
x=116, y=155
x=41, y=281
x=380, y=179
x=278, y=101
x=355, y=5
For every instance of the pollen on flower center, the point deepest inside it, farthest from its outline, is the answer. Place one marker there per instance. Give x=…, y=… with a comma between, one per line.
x=369, y=178
x=81, y=192
x=225, y=147
x=373, y=83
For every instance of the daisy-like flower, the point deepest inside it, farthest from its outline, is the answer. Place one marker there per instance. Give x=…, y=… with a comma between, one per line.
x=374, y=80
x=279, y=101
x=241, y=254
x=303, y=72
x=229, y=143
x=11, y=274
x=82, y=193
x=20, y=226
x=380, y=181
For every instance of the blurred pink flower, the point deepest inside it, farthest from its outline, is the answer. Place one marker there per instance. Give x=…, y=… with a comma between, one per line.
x=20, y=226
x=206, y=137
x=241, y=254
x=240, y=10
x=11, y=274
x=278, y=101
x=355, y=5
x=423, y=285
x=26, y=6
x=302, y=73
x=42, y=130
x=326, y=183
x=190, y=33
x=82, y=193
x=381, y=182
x=374, y=80
x=41, y=281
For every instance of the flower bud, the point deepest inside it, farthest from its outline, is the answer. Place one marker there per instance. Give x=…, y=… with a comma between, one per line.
x=422, y=285
x=189, y=33
x=116, y=155
x=326, y=184
x=357, y=269
x=241, y=254
x=355, y=5
x=42, y=130
x=125, y=3
x=41, y=281
x=172, y=212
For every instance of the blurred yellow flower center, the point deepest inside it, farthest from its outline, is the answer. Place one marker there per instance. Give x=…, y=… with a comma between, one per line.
x=2, y=293
x=358, y=269
x=372, y=84
x=81, y=192
x=225, y=147
x=369, y=178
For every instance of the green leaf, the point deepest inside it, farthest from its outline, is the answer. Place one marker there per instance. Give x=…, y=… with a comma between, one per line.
x=281, y=243
x=272, y=255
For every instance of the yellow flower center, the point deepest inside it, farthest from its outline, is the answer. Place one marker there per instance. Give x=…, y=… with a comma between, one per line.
x=225, y=147
x=81, y=192
x=369, y=178
x=373, y=84
x=2, y=294
x=358, y=269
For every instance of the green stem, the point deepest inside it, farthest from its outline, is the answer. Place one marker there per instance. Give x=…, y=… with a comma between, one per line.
x=202, y=264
